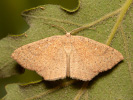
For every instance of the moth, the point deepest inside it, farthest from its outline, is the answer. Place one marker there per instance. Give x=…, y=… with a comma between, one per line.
x=58, y=57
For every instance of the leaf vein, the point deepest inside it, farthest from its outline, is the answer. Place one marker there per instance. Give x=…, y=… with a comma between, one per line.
x=127, y=53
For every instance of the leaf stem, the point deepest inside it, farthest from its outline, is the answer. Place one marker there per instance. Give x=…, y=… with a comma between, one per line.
x=81, y=91
x=119, y=19
x=95, y=22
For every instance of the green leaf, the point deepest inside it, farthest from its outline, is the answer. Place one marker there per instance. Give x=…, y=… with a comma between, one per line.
x=97, y=20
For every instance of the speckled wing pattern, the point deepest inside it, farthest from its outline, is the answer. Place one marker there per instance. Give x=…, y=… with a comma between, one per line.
x=47, y=57
x=88, y=58
x=57, y=57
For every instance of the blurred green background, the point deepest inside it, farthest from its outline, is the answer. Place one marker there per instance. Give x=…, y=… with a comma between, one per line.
x=11, y=22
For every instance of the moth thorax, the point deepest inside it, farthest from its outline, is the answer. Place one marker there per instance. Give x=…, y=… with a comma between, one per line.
x=67, y=45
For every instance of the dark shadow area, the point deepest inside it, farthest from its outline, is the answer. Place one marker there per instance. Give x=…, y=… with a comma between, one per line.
x=19, y=68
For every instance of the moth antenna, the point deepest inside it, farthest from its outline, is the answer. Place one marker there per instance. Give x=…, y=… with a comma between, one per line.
x=63, y=29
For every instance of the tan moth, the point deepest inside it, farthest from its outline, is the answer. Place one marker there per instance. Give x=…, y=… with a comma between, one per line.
x=62, y=56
